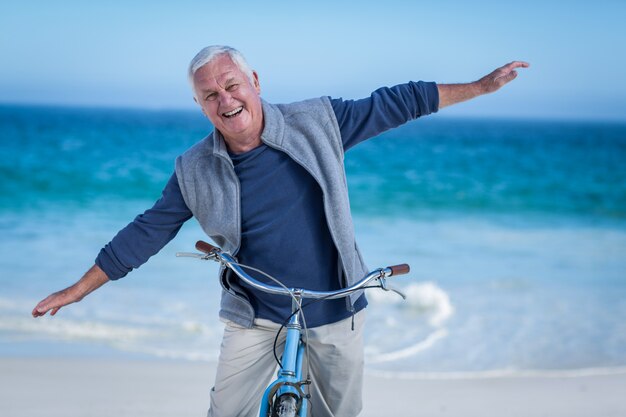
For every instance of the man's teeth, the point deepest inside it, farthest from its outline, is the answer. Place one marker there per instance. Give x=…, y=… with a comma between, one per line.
x=233, y=112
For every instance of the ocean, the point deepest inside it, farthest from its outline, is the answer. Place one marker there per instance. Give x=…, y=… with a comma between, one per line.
x=515, y=231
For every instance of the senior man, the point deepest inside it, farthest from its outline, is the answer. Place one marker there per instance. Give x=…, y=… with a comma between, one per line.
x=268, y=185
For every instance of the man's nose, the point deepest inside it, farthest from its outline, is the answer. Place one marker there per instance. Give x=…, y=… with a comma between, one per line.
x=225, y=97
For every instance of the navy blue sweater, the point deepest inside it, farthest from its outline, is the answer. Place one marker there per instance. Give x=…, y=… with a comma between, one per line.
x=284, y=228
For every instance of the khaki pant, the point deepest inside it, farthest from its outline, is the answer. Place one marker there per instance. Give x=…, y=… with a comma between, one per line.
x=246, y=367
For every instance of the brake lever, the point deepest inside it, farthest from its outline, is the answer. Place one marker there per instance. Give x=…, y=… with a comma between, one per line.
x=387, y=287
x=397, y=291
x=202, y=256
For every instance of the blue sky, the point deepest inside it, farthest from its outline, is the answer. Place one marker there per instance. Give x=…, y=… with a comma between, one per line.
x=135, y=53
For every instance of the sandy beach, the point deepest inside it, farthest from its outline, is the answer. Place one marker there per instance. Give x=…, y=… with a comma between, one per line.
x=118, y=387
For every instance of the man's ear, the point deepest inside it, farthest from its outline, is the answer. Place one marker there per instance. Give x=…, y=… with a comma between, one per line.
x=201, y=108
x=257, y=85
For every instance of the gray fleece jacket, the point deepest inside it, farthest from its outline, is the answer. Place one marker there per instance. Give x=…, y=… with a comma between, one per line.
x=308, y=133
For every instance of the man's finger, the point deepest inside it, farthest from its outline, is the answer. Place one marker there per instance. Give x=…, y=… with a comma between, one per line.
x=40, y=309
x=515, y=64
x=44, y=306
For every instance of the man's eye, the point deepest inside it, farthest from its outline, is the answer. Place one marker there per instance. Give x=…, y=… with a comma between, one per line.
x=211, y=97
x=232, y=87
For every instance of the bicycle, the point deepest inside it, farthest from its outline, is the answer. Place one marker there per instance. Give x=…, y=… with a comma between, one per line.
x=285, y=396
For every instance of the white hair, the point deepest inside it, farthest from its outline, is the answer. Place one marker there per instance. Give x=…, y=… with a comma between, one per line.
x=210, y=53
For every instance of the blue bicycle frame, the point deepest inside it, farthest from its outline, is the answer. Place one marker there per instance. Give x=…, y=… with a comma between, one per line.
x=289, y=381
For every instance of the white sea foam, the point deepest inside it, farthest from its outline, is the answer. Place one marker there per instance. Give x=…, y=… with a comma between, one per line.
x=431, y=298
x=425, y=298
x=171, y=336
x=409, y=351
x=72, y=329
x=186, y=340
x=430, y=302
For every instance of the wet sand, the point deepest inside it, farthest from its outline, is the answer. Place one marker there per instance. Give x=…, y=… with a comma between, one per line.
x=88, y=387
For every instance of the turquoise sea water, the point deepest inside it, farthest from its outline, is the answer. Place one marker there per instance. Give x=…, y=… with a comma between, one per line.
x=515, y=230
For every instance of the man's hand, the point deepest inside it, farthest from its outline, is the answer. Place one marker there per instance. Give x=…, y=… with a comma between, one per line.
x=456, y=93
x=93, y=279
x=54, y=302
x=493, y=81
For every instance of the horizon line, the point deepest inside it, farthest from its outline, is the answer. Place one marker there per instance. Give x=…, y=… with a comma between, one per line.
x=191, y=110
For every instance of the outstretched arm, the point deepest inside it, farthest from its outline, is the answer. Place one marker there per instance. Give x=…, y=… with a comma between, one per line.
x=132, y=247
x=92, y=280
x=456, y=93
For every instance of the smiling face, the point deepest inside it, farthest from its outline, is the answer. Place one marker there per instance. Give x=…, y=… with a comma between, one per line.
x=231, y=101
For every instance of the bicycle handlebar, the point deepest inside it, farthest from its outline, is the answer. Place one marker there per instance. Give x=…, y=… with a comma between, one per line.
x=400, y=269
x=205, y=247
x=215, y=253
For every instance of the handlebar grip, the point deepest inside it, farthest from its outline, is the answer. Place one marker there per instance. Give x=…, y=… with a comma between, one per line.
x=205, y=247
x=400, y=269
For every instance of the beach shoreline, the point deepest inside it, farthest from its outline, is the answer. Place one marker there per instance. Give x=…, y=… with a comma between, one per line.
x=98, y=387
